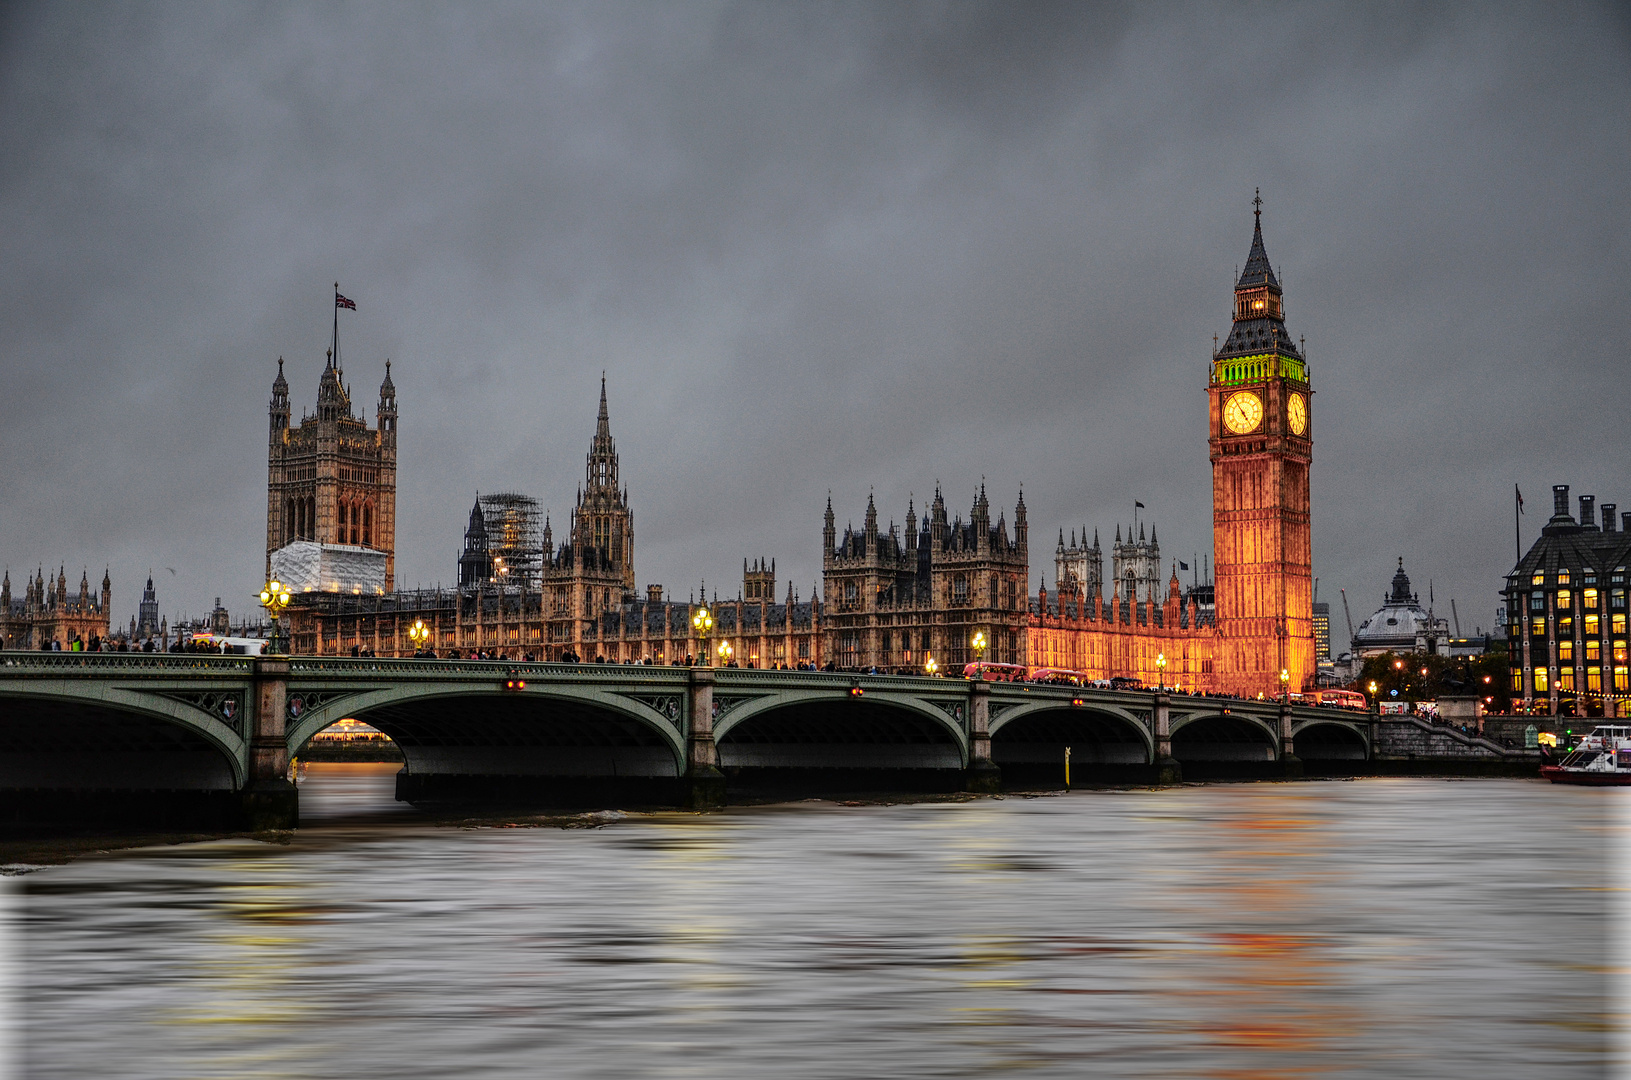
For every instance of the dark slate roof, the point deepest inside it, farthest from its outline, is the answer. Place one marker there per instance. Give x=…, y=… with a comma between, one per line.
x=1258, y=271
x=1251, y=336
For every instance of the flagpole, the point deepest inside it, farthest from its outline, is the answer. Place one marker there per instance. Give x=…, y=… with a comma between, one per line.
x=334, y=354
x=1517, y=525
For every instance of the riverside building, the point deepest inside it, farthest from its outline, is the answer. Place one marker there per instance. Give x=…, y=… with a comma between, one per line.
x=1566, y=613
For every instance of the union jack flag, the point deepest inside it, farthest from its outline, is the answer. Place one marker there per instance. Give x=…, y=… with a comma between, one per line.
x=342, y=302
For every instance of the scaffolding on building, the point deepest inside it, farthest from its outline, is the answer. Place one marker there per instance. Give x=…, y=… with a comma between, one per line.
x=514, y=542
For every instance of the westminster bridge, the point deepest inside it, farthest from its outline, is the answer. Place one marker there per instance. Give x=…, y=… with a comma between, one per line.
x=84, y=725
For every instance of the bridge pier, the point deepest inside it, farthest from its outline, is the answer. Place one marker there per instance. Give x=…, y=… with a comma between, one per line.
x=1290, y=763
x=704, y=783
x=982, y=774
x=269, y=800
x=1167, y=768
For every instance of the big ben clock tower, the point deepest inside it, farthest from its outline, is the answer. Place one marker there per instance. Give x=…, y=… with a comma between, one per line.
x=1261, y=440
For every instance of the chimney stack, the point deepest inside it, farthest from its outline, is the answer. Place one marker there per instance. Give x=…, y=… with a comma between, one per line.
x=1608, y=517
x=1560, y=500
x=1588, y=510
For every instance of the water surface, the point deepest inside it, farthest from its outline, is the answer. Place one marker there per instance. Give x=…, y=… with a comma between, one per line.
x=1372, y=928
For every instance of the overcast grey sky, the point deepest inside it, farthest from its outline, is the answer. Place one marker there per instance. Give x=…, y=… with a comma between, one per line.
x=814, y=247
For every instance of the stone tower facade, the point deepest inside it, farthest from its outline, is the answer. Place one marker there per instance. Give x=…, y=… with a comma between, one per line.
x=894, y=600
x=1261, y=448
x=331, y=480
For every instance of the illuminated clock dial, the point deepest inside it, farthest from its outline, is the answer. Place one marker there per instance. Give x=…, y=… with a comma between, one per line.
x=1242, y=412
x=1297, y=414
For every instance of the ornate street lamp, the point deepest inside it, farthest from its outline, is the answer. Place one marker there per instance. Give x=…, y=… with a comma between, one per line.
x=930, y=667
x=1373, y=690
x=725, y=653
x=978, y=643
x=274, y=598
x=1161, y=669
x=418, y=633
x=702, y=622
x=1285, y=685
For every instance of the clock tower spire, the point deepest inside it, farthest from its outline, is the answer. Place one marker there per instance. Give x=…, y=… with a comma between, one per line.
x=1261, y=448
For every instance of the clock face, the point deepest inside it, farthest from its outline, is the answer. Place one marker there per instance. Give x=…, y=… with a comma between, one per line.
x=1242, y=412
x=1297, y=414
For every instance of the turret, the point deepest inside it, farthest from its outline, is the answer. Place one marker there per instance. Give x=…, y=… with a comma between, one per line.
x=280, y=404
x=5, y=594
x=829, y=534
x=1021, y=528
x=911, y=525
x=107, y=591
x=387, y=409
x=937, y=522
x=871, y=527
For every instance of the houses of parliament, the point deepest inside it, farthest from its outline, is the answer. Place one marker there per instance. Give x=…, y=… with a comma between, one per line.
x=944, y=588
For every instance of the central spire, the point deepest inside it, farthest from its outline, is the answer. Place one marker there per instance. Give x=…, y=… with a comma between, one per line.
x=603, y=426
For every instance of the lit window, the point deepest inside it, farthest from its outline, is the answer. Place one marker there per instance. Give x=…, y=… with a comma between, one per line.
x=1616, y=599
x=1562, y=577
x=1593, y=622
x=1538, y=579
x=1617, y=624
x=1619, y=652
x=1621, y=682
x=1565, y=651
x=1540, y=681
x=1594, y=651
x=1565, y=627
x=1589, y=599
x=1517, y=681
x=1564, y=599
x=1537, y=627
x=1594, y=679
x=1565, y=679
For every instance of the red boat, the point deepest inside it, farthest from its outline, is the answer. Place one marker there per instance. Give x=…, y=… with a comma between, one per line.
x=1603, y=759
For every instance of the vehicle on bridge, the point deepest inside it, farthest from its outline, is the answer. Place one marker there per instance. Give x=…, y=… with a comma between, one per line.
x=232, y=646
x=981, y=669
x=1338, y=699
x=1060, y=677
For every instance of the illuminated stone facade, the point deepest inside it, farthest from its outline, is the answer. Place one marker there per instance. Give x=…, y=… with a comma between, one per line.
x=894, y=600
x=1262, y=614
x=581, y=603
x=332, y=479
x=47, y=612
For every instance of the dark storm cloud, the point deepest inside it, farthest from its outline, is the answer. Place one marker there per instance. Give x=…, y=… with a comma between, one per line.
x=813, y=246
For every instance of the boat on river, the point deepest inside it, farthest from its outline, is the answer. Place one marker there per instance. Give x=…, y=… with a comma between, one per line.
x=1602, y=759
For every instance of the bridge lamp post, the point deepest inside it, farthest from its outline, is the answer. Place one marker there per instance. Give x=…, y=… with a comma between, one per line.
x=1285, y=685
x=274, y=598
x=978, y=643
x=725, y=653
x=418, y=633
x=1161, y=669
x=930, y=667
x=702, y=622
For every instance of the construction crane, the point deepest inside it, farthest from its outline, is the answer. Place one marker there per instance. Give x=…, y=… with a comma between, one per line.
x=1349, y=617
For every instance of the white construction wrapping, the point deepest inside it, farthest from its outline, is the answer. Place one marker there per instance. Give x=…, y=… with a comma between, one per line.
x=307, y=566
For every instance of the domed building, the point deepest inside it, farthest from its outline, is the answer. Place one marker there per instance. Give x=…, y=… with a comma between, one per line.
x=1401, y=625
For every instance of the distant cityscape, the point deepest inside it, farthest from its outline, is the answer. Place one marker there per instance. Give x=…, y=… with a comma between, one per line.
x=941, y=592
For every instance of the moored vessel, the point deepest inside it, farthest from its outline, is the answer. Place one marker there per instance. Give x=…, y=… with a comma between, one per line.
x=1601, y=759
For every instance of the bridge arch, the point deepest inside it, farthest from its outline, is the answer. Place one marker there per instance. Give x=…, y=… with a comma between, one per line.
x=823, y=729
x=81, y=735
x=1223, y=736
x=543, y=730
x=1036, y=734
x=1325, y=740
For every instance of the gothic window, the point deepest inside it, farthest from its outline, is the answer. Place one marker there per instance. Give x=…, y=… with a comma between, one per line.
x=926, y=645
x=993, y=591
x=367, y=525
x=959, y=589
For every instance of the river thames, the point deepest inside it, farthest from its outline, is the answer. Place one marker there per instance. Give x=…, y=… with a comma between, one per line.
x=1366, y=928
